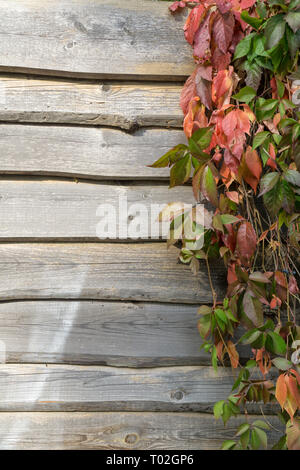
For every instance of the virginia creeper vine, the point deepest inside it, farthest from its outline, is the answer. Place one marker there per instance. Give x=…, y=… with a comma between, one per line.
x=243, y=153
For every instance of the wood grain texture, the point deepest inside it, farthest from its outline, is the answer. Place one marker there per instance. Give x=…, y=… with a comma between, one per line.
x=94, y=332
x=142, y=272
x=69, y=210
x=93, y=103
x=93, y=388
x=116, y=431
x=138, y=39
x=85, y=152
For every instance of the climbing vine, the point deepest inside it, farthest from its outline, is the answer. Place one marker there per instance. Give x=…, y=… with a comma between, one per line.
x=243, y=153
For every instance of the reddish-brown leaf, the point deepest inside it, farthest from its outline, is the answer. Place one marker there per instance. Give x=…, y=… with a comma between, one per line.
x=202, y=38
x=223, y=31
x=293, y=286
x=246, y=240
x=222, y=87
x=280, y=279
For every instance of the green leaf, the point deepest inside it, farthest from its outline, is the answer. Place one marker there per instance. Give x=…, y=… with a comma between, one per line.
x=250, y=364
x=202, y=137
x=204, y=310
x=259, y=277
x=221, y=315
x=293, y=20
x=288, y=197
x=293, y=177
x=261, y=424
x=268, y=182
x=250, y=337
x=226, y=413
x=262, y=436
x=281, y=444
x=281, y=363
x=218, y=409
x=273, y=199
x=170, y=157
x=245, y=95
x=229, y=219
x=260, y=138
x=275, y=343
x=261, y=9
x=255, y=440
x=293, y=41
x=254, y=73
x=181, y=171
x=242, y=428
x=228, y=445
x=243, y=47
x=244, y=439
x=253, y=309
x=274, y=30
x=254, y=22
x=209, y=187
x=265, y=109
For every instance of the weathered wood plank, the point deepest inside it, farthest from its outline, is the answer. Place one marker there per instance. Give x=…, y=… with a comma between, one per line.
x=69, y=210
x=61, y=101
x=85, y=152
x=93, y=388
x=94, y=38
x=142, y=272
x=94, y=332
x=113, y=431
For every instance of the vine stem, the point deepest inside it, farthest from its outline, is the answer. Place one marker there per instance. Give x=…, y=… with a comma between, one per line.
x=214, y=294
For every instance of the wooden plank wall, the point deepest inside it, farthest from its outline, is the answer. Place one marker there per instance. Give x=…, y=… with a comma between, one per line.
x=98, y=340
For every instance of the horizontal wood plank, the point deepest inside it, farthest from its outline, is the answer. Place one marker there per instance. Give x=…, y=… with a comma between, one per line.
x=69, y=210
x=93, y=103
x=93, y=388
x=94, y=332
x=90, y=153
x=116, y=431
x=142, y=272
x=137, y=39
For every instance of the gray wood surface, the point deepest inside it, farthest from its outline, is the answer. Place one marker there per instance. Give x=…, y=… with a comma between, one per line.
x=94, y=38
x=141, y=271
x=85, y=152
x=93, y=103
x=94, y=332
x=70, y=210
x=113, y=431
x=95, y=388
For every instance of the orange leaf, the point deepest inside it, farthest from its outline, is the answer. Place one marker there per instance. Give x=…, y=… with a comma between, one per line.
x=233, y=196
x=281, y=390
x=252, y=168
x=233, y=354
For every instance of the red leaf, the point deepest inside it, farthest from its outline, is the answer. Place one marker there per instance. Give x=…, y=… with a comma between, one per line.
x=188, y=92
x=193, y=22
x=223, y=31
x=246, y=240
x=176, y=5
